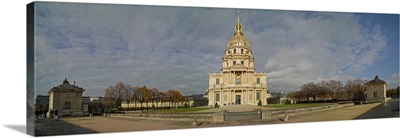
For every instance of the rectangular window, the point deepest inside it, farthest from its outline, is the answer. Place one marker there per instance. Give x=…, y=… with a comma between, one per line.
x=237, y=80
x=258, y=81
x=242, y=62
x=217, y=97
x=234, y=62
x=258, y=96
x=67, y=105
x=375, y=94
x=217, y=81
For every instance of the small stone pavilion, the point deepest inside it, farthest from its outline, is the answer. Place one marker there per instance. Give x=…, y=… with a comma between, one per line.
x=376, y=90
x=66, y=98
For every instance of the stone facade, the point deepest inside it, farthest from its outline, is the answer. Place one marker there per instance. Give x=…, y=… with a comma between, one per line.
x=66, y=98
x=376, y=90
x=237, y=83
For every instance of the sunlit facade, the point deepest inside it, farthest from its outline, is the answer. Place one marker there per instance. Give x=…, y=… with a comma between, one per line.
x=237, y=83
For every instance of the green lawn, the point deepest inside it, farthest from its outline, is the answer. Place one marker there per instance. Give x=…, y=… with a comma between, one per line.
x=179, y=110
x=302, y=105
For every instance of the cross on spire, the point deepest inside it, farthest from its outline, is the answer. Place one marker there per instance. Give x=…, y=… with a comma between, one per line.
x=238, y=14
x=238, y=26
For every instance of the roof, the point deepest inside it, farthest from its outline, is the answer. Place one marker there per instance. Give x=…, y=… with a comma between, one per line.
x=66, y=86
x=376, y=80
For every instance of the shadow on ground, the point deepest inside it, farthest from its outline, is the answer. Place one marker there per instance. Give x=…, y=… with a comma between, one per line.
x=50, y=127
x=385, y=110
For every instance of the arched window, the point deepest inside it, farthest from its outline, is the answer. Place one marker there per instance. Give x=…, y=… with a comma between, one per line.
x=234, y=51
x=238, y=80
x=241, y=51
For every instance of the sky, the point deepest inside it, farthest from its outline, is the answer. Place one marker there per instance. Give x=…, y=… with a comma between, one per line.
x=162, y=47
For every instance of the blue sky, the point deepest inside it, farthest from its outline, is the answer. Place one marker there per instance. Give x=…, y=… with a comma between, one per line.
x=177, y=47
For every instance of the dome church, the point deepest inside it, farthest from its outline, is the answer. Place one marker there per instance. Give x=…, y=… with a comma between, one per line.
x=238, y=82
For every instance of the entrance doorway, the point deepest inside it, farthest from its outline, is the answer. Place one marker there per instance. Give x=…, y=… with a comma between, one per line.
x=237, y=99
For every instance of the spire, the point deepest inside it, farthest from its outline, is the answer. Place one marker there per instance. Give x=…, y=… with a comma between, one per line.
x=238, y=26
x=238, y=15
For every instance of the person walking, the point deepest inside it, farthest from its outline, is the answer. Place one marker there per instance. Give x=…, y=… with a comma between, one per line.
x=56, y=115
x=41, y=112
x=91, y=113
x=36, y=114
x=109, y=112
x=51, y=113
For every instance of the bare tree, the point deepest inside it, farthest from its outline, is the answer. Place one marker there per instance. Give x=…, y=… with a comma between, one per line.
x=310, y=90
x=349, y=89
x=136, y=96
x=119, y=89
x=163, y=98
x=296, y=96
x=175, y=97
x=109, y=95
x=334, y=88
x=128, y=92
x=355, y=89
x=322, y=90
x=154, y=95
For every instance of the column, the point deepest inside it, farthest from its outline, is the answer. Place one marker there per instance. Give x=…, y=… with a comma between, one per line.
x=230, y=76
x=244, y=97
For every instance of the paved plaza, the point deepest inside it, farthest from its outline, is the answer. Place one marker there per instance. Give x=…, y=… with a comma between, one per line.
x=99, y=124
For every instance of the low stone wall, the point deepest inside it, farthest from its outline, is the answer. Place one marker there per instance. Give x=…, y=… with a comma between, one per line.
x=228, y=116
x=276, y=114
x=377, y=100
x=169, y=116
x=218, y=117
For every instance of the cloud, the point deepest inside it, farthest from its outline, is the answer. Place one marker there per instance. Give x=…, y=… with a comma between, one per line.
x=99, y=45
x=392, y=81
x=320, y=45
x=177, y=47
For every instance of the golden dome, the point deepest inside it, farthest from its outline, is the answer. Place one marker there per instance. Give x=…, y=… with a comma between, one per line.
x=238, y=39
